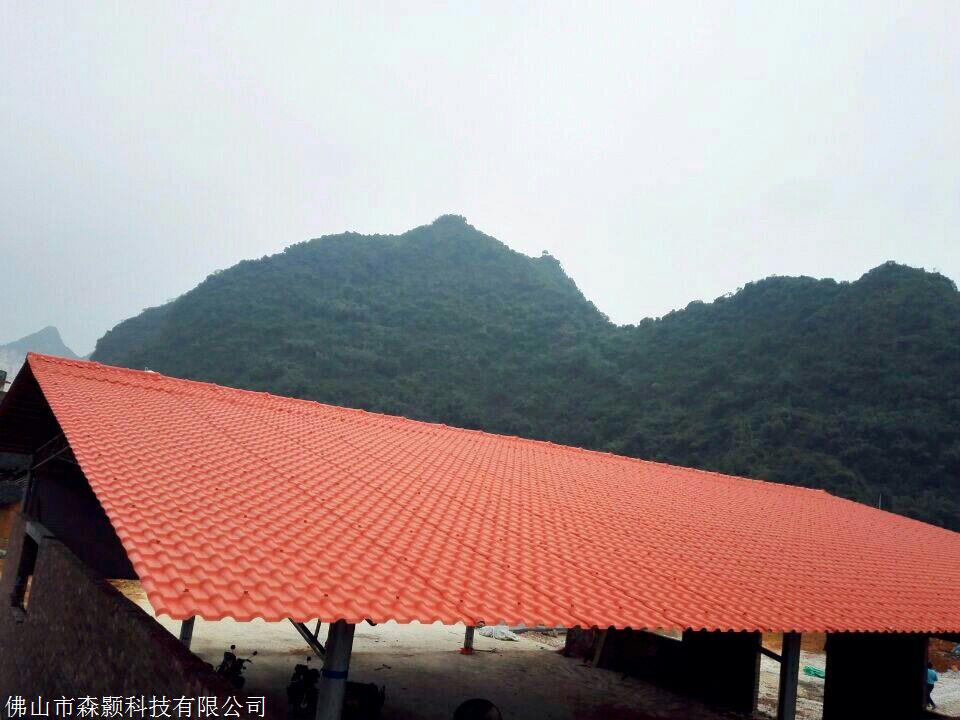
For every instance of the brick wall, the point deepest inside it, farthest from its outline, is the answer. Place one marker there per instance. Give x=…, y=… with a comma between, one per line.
x=8, y=513
x=81, y=637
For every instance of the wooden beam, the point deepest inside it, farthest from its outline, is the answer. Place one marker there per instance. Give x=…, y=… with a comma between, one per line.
x=769, y=653
x=37, y=531
x=53, y=449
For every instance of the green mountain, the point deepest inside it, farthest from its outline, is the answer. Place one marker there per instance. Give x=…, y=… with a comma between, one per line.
x=851, y=387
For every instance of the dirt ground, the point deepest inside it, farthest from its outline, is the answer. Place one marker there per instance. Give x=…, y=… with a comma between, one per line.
x=809, y=690
x=426, y=677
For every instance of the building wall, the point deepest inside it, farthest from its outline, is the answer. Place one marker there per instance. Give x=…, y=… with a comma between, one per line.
x=721, y=668
x=644, y=655
x=859, y=664
x=8, y=513
x=81, y=637
x=61, y=499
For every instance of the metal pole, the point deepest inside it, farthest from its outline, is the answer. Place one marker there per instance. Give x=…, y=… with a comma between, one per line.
x=467, y=648
x=789, y=676
x=333, y=678
x=310, y=637
x=186, y=631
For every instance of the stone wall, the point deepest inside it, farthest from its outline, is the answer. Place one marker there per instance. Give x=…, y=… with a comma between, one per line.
x=80, y=637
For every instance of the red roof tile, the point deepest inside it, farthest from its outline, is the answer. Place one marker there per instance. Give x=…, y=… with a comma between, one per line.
x=239, y=504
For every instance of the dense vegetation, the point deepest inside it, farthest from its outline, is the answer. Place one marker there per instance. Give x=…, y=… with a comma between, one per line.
x=852, y=387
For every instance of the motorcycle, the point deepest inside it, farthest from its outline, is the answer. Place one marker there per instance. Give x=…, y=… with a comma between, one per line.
x=361, y=701
x=302, y=691
x=232, y=667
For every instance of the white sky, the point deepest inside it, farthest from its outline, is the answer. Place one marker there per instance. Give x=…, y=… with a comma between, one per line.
x=664, y=152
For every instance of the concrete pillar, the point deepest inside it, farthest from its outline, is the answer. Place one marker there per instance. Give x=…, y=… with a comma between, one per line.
x=860, y=664
x=789, y=676
x=333, y=678
x=722, y=668
x=467, y=648
x=186, y=631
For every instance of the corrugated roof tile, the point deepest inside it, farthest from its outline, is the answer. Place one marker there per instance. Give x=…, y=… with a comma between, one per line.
x=241, y=504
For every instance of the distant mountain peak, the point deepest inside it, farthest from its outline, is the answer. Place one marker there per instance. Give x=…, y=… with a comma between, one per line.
x=451, y=219
x=892, y=273
x=46, y=340
x=45, y=335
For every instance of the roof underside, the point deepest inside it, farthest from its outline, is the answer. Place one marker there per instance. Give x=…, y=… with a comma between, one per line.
x=238, y=504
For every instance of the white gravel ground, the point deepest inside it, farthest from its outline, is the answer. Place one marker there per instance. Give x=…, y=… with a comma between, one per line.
x=946, y=694
x=810, y=693
x=426, y=677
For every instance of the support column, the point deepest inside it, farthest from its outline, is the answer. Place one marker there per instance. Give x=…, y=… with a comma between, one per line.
x=722, y=668
x=600, y=654
x=789, y=676
x=333, y=678
x=186, y=631
x=310, y=637
x=894, y=662
x=467, y=648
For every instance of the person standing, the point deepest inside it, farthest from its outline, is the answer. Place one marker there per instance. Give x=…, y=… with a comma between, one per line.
x=932, y=678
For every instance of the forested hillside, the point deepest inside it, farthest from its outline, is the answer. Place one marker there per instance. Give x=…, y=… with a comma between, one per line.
x=852, y=387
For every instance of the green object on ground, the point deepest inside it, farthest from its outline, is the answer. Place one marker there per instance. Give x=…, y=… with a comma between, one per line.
x=813, y=672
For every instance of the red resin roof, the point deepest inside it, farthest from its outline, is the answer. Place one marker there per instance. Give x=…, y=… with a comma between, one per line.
x=239, y=504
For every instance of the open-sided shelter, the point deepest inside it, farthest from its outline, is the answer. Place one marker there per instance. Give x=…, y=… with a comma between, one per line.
x=231, y=503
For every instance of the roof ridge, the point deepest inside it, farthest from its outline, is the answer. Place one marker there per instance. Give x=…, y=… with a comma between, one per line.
x=285, y=401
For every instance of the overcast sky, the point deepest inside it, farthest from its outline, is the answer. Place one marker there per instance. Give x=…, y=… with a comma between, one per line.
x=663, y=152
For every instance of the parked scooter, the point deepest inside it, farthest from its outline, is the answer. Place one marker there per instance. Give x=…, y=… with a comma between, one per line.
x=302, y=691
x=232, y=667
x=361, y=701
